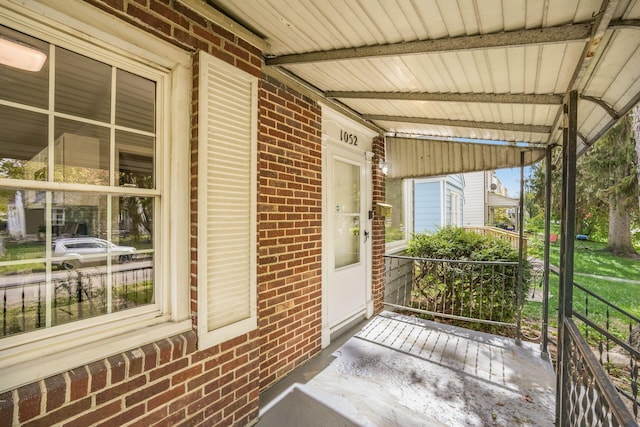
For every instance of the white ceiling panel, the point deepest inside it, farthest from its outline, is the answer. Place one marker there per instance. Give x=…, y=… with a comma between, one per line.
x=528, y=54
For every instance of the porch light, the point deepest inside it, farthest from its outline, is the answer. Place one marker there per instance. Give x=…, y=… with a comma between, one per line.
x=383, y=166
x=21, y=56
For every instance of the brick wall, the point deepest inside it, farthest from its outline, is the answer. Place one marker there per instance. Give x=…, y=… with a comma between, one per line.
x=164, y=383
x=290, y=230
x=168, y=382
x=378, y=232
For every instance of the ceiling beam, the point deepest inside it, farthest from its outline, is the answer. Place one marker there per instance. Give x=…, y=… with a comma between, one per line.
x=631, y=24
x=506, y=98
x=460, y=123
x=565, y=33
x=602, y=21
x=604, y=105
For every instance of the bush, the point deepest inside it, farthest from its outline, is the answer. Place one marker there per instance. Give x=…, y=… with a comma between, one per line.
x=478, y=291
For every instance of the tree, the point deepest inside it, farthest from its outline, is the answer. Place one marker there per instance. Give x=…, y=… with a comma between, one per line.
x=607, y=176
x=635, y=119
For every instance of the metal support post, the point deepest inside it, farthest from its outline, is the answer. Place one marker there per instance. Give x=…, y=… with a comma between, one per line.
x=545, y=267
x=521, y=261
x=565, y=291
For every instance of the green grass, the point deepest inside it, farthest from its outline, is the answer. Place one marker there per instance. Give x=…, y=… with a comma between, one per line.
x=589, y=258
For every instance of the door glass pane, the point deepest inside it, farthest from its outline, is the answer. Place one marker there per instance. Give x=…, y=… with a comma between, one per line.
x=346, y=233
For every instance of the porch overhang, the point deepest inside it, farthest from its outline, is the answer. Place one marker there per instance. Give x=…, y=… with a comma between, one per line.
x=412, y=158
x=482, y=72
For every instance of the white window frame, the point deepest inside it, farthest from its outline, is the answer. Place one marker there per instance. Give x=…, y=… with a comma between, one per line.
x=454, y=208
x=79, y=27
x=212, y=130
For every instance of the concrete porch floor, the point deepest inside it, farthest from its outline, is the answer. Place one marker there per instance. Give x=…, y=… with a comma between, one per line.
x=402, y=371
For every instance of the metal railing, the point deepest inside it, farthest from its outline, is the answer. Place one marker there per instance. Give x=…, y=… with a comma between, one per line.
x=74, y=295
x=487, y=292
x=589, y=397
x=608, y=329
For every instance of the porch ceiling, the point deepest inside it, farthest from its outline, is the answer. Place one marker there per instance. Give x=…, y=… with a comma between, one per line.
x=486, y=70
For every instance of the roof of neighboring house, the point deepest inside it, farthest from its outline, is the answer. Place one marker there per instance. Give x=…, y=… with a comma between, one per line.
x=498, y=201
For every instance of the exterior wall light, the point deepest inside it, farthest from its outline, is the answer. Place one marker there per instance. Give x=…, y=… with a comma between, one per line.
x=383, y=166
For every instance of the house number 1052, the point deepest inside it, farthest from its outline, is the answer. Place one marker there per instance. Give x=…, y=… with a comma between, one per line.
x=349, y=138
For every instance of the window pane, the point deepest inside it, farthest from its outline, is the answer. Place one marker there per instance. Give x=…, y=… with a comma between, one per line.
x=25, y=87
x=22, y=236
x=135, y=101
x=394, y=224
x=132, y=226
x=83, y=86
x=134, y=156
x=23, y=144
x=81, y=153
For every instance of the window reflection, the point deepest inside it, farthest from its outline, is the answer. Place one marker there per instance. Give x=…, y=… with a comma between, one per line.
x=81, y=153
x=394, y=224
x=135, y=101
x=100, y=257
x=83, y=86
x=25, y=87
x=75, y=254
x=23, y=152
x=134, y=160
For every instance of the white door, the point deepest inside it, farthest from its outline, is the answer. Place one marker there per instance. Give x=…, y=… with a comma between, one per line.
x=349, y=236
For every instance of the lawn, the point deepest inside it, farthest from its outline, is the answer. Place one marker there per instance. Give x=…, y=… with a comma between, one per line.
x=590, y=260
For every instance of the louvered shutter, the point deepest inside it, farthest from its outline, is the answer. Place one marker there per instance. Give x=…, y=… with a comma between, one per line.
x=226, y=201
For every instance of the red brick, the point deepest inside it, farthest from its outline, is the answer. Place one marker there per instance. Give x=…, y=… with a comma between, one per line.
x=147, y=392
x=120, y=390
x=56, y=391
x=168, y=369
x=6, y=409
x=98, y=372
x=136, y=362
x=186, y=374
x=79, y=382
x=165, y=397
x=96, y=415
x=29, y=403
x=62, y=414
x=118, y=367
x=152, y=418
x=125, y=417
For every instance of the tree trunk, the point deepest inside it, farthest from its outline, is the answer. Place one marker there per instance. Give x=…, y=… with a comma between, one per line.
x=635, y=131
x=619, y=241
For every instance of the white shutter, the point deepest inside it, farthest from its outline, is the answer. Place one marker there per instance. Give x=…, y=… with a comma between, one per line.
x=227, y=127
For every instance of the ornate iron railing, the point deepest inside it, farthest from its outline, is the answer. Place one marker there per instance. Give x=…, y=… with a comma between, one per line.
x=74, y=295
x=589, y=398
x=608, y=328
x=487, y=292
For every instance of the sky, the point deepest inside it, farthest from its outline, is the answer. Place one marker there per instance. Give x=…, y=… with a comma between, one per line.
x=510, y=178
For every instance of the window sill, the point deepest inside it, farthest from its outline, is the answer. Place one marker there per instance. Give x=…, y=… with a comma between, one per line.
x=38, y=362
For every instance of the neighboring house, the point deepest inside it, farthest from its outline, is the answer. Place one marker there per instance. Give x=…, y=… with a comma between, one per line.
x=250, y=205
x=438, y=202
x=483, y=194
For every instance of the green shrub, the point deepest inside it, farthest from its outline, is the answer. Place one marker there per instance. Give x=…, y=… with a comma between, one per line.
x=479, y=291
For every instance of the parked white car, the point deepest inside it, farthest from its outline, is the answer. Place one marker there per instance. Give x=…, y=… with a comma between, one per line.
x=82, y=251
